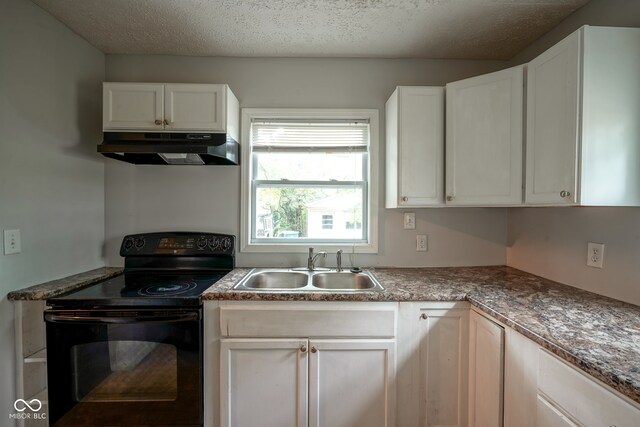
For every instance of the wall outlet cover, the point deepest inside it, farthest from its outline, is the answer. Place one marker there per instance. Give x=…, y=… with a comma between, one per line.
x=595, y=255
x=421, y=243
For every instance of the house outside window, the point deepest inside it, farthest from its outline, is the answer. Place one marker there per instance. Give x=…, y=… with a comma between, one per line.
x=307, y=178
x=327, y=222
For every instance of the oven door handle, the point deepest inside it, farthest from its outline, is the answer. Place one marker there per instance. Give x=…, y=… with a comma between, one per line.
x=62, y=318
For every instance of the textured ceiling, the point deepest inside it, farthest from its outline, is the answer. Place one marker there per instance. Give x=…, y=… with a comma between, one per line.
x=461, y=29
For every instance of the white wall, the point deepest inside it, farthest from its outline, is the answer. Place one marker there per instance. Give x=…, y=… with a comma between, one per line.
x=51, y=179
x=552, y=242
x=147, y=198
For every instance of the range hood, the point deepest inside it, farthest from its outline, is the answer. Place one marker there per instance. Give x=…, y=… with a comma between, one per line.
x=155, y=148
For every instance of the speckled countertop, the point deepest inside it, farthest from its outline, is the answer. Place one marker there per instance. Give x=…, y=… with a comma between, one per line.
x=57, y=287
x=599, y=335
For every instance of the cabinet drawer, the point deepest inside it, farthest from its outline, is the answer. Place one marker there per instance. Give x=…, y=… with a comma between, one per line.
x=588, y=402
x=310, y=319
x=549, y=416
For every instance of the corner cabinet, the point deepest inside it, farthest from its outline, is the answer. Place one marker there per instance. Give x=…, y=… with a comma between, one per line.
x=486, y=372
x=341, y=374
x=433, y=359
x=582, y=120
x=484, y=141
x=415, y=147
x=142, y=107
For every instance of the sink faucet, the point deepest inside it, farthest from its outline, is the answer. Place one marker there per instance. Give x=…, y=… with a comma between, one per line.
x=339, y=260
x=312, y=259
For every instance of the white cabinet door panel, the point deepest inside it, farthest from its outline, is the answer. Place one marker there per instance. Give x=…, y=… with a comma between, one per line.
x=132, y=106
x=195, y=107
x=351, y=383
x=486, y=361
x=549, y=416
x=264, y=382
x=415, y=147
x=485, y=139
x=553, y=81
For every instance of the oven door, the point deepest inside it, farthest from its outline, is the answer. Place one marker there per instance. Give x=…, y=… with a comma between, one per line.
x=124, y=367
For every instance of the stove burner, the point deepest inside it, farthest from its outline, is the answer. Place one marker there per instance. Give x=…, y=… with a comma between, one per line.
x=165, y=289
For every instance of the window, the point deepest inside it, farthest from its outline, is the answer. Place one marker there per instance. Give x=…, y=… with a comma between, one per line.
x=306, y=179
x=327, y=222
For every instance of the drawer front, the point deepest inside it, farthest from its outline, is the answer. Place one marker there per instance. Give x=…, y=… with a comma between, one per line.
x=549, y=416
x=245, y=320
x=582, y=398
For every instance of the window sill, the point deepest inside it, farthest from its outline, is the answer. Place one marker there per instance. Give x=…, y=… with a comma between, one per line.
x=294, y=248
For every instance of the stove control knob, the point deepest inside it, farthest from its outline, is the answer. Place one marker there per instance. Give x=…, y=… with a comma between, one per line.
x=202, y=242
x=128, y=243
x=215, y=245
x=140, y=242
x=226, y=243
x=210, y=242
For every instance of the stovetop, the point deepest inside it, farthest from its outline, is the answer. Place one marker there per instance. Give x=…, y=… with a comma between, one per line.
x=161, y=269
x=140, y=289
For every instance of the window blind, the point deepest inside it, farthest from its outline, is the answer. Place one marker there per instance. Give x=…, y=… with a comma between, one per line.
x=289, y=135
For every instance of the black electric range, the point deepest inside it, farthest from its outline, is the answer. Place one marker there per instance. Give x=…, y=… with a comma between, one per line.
x=162, y=270
x=128, y=351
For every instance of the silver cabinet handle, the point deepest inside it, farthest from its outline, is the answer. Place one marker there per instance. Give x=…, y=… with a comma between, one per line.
x=450, y=198
x=158, y=122
x=424, y=316
x=564, y=193
x=405, y=199
x=165, y=122
x=313, y=349
x=303, y=348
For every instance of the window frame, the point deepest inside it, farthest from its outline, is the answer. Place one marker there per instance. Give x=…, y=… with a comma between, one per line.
x=370, y=245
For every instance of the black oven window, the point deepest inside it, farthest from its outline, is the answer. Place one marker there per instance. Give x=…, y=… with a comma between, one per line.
x=122, y=371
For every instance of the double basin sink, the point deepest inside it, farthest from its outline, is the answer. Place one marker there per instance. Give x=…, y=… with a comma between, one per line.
x=272, y=279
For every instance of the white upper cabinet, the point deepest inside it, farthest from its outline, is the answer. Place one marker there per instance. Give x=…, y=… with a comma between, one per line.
x=415, y=147
x=583, y=104
x=170, y=108
x=194, y=107
x=133, y=106
x=485, y=139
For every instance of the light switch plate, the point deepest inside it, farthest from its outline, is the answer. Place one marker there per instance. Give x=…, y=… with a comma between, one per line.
x=12, y=243
x=409, y=221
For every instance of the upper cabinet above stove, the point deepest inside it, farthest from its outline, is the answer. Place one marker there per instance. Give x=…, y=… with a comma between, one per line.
x=175, y=107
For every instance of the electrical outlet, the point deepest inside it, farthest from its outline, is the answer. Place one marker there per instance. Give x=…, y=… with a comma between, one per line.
x=421, y=243
x=409, y=221
x=12, y=244
x=595, y=255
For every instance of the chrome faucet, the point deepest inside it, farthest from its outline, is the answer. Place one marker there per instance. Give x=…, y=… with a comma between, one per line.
x=312, y=259
x=339, y=260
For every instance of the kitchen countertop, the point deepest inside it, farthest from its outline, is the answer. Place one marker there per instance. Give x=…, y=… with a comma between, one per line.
x=61, y=286
x=599, y=335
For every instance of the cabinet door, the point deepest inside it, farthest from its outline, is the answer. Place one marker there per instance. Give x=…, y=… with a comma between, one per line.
x=351, y=383
x=263, y=382
x=485, y=139
x=443, y=367
x=415, y=147
x=132, y=106
x=553, y=100
x=520, y=380
x=195, y=107
x=486, y=360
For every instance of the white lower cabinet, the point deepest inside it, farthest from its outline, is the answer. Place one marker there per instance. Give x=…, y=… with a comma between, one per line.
x=486, y=367
x=341, y=374
x=264, y=382
x=432, y=364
